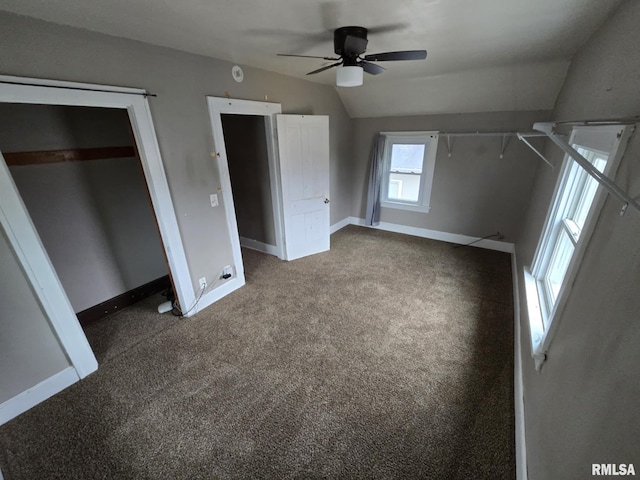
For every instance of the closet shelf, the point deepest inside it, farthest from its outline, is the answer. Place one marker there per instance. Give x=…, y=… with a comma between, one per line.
x=72, y=155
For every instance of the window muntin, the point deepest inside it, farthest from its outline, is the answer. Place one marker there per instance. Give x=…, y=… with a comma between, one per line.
x=409, y=162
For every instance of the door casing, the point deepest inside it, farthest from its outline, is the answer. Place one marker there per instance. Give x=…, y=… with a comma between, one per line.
x=271, y=112
x=217, y=107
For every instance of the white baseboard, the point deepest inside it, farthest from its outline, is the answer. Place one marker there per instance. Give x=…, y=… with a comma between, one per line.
x=341, y=224
x=518, y=387
x=233, y=284
x=37, y=394
x=216, y=294
x=259, y=246
x=438, y=235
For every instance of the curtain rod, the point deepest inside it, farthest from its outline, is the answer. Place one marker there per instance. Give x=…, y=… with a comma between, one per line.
x=25, y=84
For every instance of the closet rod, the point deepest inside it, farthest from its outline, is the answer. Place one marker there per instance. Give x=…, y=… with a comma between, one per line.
x=491, y=134
x=606, y=182
x=603, y=122
x=505, y=139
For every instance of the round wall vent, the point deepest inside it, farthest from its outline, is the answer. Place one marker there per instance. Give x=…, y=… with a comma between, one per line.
x=237, y=73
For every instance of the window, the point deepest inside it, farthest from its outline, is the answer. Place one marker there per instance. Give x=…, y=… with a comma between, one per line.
x=409, y=162
x=567, y=229
x=578, y=192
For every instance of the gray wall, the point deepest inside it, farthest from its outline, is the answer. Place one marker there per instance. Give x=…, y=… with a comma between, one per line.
x=582, y=407
x=29, y=350
x=93, y=217
x=38, y=49
x=246, y=144
x=474, y=192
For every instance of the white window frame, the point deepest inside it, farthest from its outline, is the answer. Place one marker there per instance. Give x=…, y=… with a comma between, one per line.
x=543, y=316
x=430, y=141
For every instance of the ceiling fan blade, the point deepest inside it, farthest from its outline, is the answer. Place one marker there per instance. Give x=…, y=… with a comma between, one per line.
x=390, y=56
x=355, y=45
x=371, y=68
x=325, y=68
x=306, y=56
x=391, y=27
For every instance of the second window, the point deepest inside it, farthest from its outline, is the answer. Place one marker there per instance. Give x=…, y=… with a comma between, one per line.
x=409, y=162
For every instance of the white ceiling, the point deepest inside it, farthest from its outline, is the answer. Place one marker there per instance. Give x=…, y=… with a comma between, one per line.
x=487, y=55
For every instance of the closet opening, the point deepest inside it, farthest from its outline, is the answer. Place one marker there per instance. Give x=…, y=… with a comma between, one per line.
x=78, y=172
x=245, y=139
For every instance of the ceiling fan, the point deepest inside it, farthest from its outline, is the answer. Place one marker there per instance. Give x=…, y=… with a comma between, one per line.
x=350, y=44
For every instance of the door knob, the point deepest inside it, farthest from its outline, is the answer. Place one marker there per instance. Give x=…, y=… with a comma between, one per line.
x=326, y=200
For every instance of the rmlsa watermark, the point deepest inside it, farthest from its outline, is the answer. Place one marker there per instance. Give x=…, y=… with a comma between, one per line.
x=610, y=469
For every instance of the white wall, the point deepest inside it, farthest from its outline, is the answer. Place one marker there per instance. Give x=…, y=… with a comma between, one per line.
x=582, y=407
x=94, y=217
x=29, y=350
x=474, y=192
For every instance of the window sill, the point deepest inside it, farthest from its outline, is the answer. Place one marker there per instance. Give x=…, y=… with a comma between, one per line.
x=412, y=207
x=536, y=325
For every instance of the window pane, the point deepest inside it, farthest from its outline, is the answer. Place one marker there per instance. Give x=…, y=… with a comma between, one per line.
x=584, y=204
x=395, y=187
x=588, y=188
x=404, y=186
x=407, y=158
x=558, y=265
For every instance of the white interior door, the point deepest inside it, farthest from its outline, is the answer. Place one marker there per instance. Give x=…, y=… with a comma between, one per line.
x=303, y=146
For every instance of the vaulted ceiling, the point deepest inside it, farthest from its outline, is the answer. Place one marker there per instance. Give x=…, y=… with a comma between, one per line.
x=490, y=55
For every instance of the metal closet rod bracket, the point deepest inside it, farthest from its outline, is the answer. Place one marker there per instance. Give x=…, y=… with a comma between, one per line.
x=523, y=137
x=602, y=179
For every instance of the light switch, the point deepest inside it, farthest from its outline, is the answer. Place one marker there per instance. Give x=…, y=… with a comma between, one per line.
x=214, y=199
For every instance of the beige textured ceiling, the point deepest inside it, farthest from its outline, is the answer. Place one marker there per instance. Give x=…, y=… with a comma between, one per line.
x=484, y=55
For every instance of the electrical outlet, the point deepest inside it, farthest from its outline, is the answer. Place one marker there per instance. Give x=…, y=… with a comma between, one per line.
x=214, y=199
x=203, y=283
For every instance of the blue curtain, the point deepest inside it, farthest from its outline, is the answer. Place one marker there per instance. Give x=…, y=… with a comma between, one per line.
x=375, y=182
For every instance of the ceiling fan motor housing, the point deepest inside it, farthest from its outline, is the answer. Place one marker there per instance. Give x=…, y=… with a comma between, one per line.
x=340, y=36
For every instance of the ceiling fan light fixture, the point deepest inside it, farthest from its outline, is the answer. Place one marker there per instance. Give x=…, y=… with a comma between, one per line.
x=349, y=76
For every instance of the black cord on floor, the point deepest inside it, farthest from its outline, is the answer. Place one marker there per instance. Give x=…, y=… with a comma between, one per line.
x=176, y=312
x=182, y=315
x=483, y=238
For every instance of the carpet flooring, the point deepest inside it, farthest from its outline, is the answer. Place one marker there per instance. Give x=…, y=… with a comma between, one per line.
x=388, y=357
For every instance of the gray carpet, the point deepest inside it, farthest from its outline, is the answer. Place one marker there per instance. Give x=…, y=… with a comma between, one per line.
x=388, y=357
